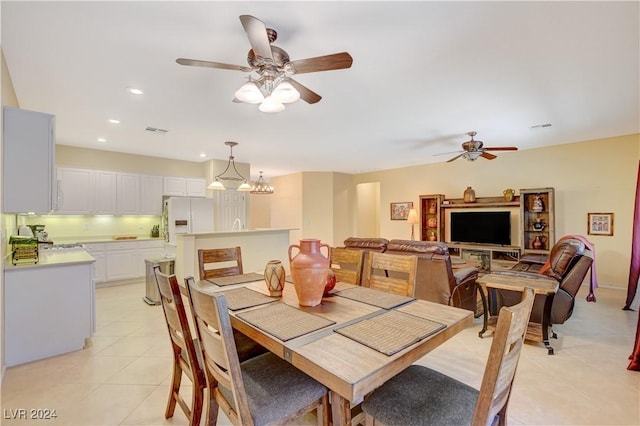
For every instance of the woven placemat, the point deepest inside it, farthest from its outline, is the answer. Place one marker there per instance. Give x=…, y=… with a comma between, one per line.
x=370, y=296
x=283, y=321
x=240, y=298
x=390, y=332
x=236, y=279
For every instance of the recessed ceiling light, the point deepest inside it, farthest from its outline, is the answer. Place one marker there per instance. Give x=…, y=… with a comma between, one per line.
x=203, y=155
x=114, y=121
x=134, y=91
x=102, y=140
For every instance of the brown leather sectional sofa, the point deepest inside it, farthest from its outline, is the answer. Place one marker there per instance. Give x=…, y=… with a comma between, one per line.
x=436, y=280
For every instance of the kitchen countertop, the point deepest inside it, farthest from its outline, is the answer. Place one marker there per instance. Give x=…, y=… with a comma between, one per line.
x=52, y=258
x=100, y=239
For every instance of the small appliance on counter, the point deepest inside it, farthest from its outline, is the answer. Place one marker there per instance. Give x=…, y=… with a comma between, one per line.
x=38, y=231
x=24, y=249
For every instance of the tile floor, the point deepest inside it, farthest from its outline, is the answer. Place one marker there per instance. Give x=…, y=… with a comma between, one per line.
x=123, y=378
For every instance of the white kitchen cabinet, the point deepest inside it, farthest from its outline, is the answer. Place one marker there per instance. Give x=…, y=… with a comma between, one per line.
x=122, y=260
x=75, y=190
x=48, y=310
x=28, y=161
x=196, y=187
x=128, y=193
x=97, y=250
x=184, y=187
x=150, y=249
x=151, y=195
x=105, y=194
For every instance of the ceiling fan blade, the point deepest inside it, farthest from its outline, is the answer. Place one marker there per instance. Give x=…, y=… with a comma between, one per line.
x=208, y=64
x=335, y=61
x=306, y=94
x=502, y=148
x=257, y=33
x=488, y=156
x=455, y=158
x=448, y=153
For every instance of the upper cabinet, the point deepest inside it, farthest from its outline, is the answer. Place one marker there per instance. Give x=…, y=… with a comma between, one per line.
x=28, y=157
x=86, y=191
x=537, y=220
x=184, y=187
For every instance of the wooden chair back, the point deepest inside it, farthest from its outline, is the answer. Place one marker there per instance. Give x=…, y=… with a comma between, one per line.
x=230, y=257
x=503, y=361
x=222, y=367
x=185, y=352
x=399, y=276
x=346, y=264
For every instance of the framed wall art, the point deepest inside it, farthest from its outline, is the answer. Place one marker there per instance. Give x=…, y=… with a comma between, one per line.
x=400, y=211
x=600, y=223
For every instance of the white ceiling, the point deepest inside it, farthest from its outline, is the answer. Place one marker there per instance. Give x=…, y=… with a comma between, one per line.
x=423, y=74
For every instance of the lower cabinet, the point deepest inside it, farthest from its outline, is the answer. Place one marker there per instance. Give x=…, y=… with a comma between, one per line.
x=123, y=260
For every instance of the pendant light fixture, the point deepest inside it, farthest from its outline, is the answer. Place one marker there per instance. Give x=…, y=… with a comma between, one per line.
x=261, y=187
x=217, y=184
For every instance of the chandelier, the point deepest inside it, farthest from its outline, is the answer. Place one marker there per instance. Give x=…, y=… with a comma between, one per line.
x=261, y=187
x=216, y=184
x=271, y=91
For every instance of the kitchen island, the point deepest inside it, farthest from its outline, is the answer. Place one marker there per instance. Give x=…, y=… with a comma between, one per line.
x=258, y=247
x=49, y=306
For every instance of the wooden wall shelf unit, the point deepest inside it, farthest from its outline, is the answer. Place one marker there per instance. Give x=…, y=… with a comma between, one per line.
x=532, y=214
x=458, y=203
x=431, y=217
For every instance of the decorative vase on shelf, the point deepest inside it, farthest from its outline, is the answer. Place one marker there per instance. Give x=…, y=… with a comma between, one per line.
x=508, y=195
x=309, y=270
x=539, y=224
x=432, y=208
x=274, y=276
x=469, y=195
x=432, y=236
x=538, y=242
x=432, y=222
x=538, y=204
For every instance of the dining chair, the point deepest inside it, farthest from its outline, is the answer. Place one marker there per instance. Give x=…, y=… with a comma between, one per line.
x=185, y=350
x=393, y=273
x=422, y=396
x=262, y=390
x=230, y=257
x=245, y=346
x=346, y=264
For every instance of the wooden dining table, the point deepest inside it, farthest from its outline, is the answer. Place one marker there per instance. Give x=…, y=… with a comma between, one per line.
x=348, y=368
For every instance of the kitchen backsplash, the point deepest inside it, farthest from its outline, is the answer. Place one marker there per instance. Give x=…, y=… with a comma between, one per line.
x=93, y=226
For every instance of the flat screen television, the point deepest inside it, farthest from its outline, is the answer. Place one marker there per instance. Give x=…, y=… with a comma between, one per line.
x=481, y=227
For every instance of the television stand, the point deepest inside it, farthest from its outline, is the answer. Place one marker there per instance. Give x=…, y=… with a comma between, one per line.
x=486, y=257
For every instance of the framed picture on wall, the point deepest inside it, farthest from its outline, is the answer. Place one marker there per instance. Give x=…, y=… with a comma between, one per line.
x=400, y=211
x=600, y=223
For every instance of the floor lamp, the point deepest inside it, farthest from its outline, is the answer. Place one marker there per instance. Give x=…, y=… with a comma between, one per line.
x=412, y=219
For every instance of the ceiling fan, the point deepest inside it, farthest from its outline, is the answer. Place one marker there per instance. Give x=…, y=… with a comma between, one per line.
x=473, y=149
x=274, y=86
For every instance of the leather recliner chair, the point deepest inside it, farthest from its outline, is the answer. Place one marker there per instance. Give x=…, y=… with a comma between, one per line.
x=569, y=262
x=436, y=280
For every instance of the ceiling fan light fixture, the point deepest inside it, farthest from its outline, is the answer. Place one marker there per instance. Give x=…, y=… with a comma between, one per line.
x=249, y=93
x=271, y=105
x=285, y=93
x=472, y=156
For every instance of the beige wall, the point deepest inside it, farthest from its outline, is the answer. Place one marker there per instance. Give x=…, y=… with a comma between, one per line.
x=592, y=176
x=71, y=156
x=286, y=204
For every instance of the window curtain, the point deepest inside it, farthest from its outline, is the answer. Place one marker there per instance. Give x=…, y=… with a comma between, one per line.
x=634, y=274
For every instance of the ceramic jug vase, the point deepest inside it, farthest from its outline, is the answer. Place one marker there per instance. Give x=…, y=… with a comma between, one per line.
x=309, y=269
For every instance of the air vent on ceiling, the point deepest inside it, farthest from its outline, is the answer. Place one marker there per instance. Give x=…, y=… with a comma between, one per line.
x=155, y=130
x=538, y=126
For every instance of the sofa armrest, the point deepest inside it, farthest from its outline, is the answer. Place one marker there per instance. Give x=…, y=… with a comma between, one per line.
x=465, y=293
